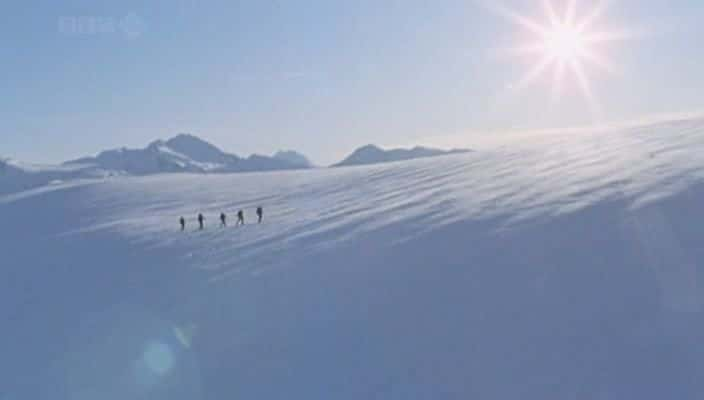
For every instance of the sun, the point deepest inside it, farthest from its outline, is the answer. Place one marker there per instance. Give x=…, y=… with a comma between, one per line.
x=564, y=43
x=568, y=43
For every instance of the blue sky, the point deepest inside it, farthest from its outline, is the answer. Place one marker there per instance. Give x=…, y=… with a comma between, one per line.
x=319, y=76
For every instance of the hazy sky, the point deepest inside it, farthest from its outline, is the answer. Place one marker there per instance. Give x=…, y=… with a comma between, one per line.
x=319, y=76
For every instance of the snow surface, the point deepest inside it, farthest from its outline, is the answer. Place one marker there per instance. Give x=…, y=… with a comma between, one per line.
x=17, y=176
x=562, y=268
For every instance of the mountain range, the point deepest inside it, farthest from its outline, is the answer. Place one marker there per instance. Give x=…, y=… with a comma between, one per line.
x=188, y=153
x=183, y=153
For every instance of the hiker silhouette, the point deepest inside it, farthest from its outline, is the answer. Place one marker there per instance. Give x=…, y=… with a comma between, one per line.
x=260, y=214
x=223, y=220
x=240, y=217
x=201, y=219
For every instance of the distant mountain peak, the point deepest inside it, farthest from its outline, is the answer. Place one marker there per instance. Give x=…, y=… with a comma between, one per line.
x=198, y=149
x=294, y=158
x=155, y=144
x=369, y=147
x=373, y=154
x=184, y=153
x=187, y=139
x=188, y=136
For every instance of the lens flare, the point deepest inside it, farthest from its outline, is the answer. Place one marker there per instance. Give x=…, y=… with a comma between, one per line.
x=566, y=43
x=159, y=358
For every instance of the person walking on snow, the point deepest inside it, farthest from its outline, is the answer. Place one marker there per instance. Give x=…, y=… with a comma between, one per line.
x=260, y=213
x=223, y=220
x=201, y=219
x=240, y=217
x=183, y=224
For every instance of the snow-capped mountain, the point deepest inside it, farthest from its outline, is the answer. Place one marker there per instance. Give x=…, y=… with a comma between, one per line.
x=198, y=150
x=183, y=153
x=155, y=158
x=371, y=154
x=294, y=158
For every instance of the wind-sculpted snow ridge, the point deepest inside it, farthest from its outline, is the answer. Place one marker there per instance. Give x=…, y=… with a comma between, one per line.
x=562, y=267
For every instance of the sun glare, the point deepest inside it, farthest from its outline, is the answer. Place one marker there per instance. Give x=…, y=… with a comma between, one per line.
x=567, y=43
x=564, y=43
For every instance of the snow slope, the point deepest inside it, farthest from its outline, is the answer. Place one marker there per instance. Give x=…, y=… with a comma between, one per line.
x=17, y=177
x=562, y=268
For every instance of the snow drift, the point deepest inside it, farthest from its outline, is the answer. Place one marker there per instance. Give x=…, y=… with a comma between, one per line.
x=564, y=268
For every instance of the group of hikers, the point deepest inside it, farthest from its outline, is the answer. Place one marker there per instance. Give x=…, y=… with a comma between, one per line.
x=223, y=219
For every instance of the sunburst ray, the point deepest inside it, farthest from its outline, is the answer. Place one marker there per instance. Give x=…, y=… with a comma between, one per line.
x=566, y=43
x=558, y=78
x=555, y=20
x=596, y=13
x=514, y=17
x=570, y=14
x=596, y=59
x=535, y=73
x=586, y=87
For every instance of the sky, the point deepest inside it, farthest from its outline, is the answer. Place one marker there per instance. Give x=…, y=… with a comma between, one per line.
x=320, y=76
